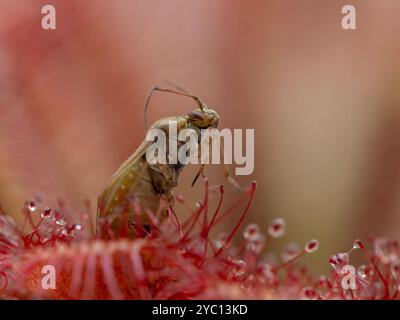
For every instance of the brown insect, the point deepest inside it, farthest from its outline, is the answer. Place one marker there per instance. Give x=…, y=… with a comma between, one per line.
x=148, y=183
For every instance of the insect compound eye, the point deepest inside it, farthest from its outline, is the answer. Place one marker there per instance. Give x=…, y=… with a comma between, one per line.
x=196, y=115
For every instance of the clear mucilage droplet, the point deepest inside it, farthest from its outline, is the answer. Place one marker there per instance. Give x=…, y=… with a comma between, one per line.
x=338, y=261
x=251, y=232
x=31, y=206
x=257, y=244
x=220, y=240
x=311, y=246
x=60, y=222
x=46, y=213
x=357, y=244
x=239, y=269
x=276, y=228
x=361, y=271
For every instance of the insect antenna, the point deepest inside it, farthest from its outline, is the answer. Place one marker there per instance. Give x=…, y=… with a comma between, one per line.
x=182, y=89
x=146, y=105
x=175, y=85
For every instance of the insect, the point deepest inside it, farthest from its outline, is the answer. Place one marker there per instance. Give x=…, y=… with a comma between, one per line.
x=148, y=183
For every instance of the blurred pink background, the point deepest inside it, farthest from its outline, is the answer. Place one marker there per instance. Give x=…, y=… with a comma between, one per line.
x=324, y=103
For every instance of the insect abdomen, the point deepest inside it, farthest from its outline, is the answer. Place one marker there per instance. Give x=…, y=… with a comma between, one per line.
x=134, y=183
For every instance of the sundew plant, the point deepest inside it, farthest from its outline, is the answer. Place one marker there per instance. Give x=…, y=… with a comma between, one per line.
x=180, y=259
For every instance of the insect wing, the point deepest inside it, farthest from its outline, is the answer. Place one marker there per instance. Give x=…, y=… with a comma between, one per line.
x=123, y=171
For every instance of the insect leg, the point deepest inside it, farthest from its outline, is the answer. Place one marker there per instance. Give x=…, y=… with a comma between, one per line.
x=198, y=174
x=230, y=179
x=227, y=172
